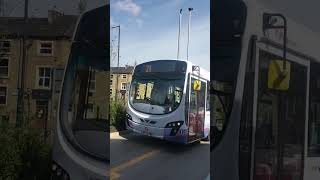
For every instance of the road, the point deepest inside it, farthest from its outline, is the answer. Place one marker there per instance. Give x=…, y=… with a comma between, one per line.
x=134, y=156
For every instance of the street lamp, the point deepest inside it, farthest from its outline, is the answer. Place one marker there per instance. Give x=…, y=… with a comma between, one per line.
x=116, y=97
x=190, y=9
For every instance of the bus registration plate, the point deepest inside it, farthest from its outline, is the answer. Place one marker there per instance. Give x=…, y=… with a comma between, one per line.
x=146, y=131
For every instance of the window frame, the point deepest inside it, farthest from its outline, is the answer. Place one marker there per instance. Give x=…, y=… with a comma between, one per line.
x=121, y=88
x=6, y=95
x=1, y=47
x=8, y=66
x=40, y=47
x=38, y=77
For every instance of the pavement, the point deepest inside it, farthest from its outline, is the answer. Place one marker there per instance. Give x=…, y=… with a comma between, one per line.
x=135, y=156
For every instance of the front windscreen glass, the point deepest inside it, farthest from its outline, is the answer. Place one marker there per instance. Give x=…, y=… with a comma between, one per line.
x=157, y=87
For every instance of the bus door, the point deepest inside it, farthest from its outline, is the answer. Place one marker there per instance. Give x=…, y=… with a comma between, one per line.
x=280, y=115
x=197, y=109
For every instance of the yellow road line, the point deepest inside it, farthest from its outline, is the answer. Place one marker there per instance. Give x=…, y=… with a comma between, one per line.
x=115, y=170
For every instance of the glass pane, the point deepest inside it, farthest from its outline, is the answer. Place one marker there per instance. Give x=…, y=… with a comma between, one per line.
x=41, y=72
x=47, y=72
x=279, y=141
x=4, y=71
x=41, y=82
x=2, y=100
x=3, y=95
x=197, y=111
x=4, y=62
x=47, y=82
x=45, y=51
x=46, y=45
x=6, y=44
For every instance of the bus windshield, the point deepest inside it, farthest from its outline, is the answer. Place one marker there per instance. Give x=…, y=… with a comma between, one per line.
x=156, y=91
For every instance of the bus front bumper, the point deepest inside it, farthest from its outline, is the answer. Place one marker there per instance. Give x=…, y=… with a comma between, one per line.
x=156, y=132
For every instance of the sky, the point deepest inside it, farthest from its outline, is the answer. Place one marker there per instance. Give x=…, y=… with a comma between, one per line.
x=149, y=30
x=39, y=8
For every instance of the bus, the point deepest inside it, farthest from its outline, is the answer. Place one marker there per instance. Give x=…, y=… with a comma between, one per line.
x=265, y=94
x=81, y=141
x=169, y=99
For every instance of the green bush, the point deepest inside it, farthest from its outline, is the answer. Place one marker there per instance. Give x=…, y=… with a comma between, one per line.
x=118, y=116
x=24, y=154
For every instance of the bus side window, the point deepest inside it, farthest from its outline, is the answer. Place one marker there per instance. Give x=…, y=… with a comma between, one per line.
x=314, y=111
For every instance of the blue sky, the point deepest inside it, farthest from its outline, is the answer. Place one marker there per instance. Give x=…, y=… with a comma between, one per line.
x=39, y=8
x=149, y=30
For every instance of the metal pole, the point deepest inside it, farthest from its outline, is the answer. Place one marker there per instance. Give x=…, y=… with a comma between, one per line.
x=20, y=109
x=190, y=9
x=116, y=96
x=180, y=19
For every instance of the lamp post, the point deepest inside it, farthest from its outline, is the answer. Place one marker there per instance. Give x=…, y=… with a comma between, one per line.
x=190, y=9
x=180, y=18
x=117, y=83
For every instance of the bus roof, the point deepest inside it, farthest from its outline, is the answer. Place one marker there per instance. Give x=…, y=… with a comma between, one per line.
x=203, y=72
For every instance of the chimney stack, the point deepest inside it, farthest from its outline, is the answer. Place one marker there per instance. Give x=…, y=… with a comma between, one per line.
x=53, y=15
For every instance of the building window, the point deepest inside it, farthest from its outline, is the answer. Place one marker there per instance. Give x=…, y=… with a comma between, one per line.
x=123, y=86
x=45, y=48
x=124, y=76
x=111, y=82
x=93, y=81
x=111, y=76
x=4, y=66
x=110, y=91
x=5, y=46
x=44, y=78
x=3, y=95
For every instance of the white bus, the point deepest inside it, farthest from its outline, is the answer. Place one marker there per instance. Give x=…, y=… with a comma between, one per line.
x=266, y=94
x=81, y=142
x=169, y=99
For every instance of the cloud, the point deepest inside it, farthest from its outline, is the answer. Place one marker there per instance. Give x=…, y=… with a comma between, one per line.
x=128, y=6
x=164, y=45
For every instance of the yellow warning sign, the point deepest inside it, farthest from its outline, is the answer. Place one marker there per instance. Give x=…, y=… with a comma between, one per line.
x=197, y=85
x=278, y=76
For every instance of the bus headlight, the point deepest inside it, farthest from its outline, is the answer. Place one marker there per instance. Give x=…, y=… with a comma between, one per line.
x=175, y=126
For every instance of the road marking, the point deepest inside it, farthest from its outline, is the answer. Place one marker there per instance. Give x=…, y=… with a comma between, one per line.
x=115, y=171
